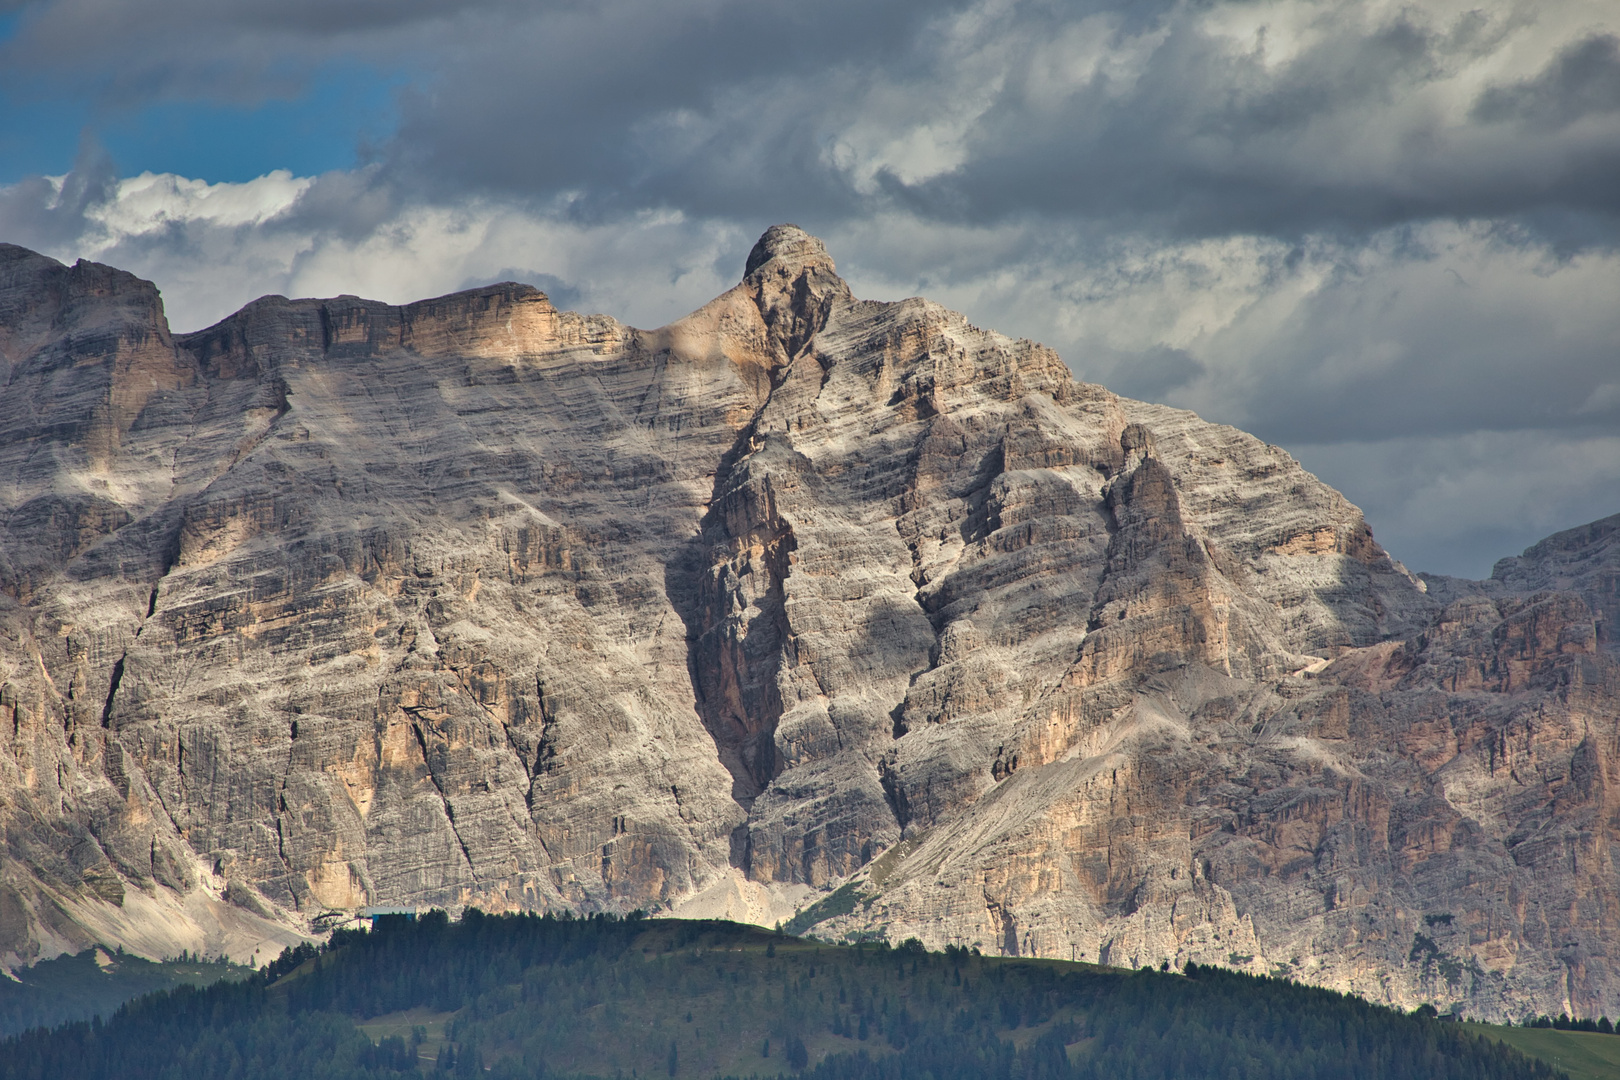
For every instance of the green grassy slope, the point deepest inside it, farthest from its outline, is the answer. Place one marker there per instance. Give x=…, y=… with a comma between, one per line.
x=1583, y=1055
x=514, y=998
x=94, y=983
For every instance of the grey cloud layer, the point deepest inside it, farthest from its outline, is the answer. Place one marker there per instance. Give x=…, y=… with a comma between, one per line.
x=1191, y=119
x=1584, y=81
x=1125, y=117
x=1209, y=141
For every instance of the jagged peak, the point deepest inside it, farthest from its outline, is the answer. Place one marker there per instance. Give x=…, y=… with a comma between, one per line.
x=792, y=247
x=795, y=284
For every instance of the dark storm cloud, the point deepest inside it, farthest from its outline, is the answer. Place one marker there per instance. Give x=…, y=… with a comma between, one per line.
x=1583, y=81
x=720, y=108
x=729, y=109
x=1208, y=140
x=130, y=53
x=732, y=108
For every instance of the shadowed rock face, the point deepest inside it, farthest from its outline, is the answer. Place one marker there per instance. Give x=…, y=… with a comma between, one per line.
x=475, y=601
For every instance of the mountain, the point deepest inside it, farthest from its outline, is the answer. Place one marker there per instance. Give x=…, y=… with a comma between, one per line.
x=801, y=604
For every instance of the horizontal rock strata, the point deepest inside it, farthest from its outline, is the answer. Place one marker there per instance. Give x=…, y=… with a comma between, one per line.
x=339, y=603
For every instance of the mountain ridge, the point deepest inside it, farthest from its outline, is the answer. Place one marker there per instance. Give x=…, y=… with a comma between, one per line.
x=470, y=600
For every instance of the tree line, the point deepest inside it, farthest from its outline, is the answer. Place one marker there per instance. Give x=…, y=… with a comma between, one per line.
x=524, y=997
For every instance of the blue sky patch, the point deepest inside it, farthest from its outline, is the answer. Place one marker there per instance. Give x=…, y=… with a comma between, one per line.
x=341, y=110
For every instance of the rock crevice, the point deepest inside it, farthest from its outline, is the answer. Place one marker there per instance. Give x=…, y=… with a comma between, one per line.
x=472, y=600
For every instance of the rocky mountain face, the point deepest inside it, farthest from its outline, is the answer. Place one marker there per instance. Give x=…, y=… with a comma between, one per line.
x=338, y=603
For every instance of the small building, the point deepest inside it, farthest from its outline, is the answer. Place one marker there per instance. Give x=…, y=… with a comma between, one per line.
x=383, y=918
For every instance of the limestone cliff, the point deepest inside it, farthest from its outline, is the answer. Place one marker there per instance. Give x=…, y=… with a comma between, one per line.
x=339, y=603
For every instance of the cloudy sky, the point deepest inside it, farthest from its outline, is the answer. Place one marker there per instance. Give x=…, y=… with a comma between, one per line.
x=1384, y=235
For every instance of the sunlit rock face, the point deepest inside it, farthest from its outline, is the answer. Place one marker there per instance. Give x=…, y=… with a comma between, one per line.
x=473, y=601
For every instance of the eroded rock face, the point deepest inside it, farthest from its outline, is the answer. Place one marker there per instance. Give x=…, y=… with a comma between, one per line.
x=475, y=601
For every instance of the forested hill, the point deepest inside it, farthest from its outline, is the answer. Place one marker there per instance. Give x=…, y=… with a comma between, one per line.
x=94, y=983
x=526, y=996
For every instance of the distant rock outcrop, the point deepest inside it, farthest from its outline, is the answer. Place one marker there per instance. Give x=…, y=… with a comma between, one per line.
x=473, y=601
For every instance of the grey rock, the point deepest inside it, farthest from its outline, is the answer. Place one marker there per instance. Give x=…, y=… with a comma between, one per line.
x=473, y=601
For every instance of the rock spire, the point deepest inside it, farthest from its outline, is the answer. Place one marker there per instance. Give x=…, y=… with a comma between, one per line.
x=472, y=601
